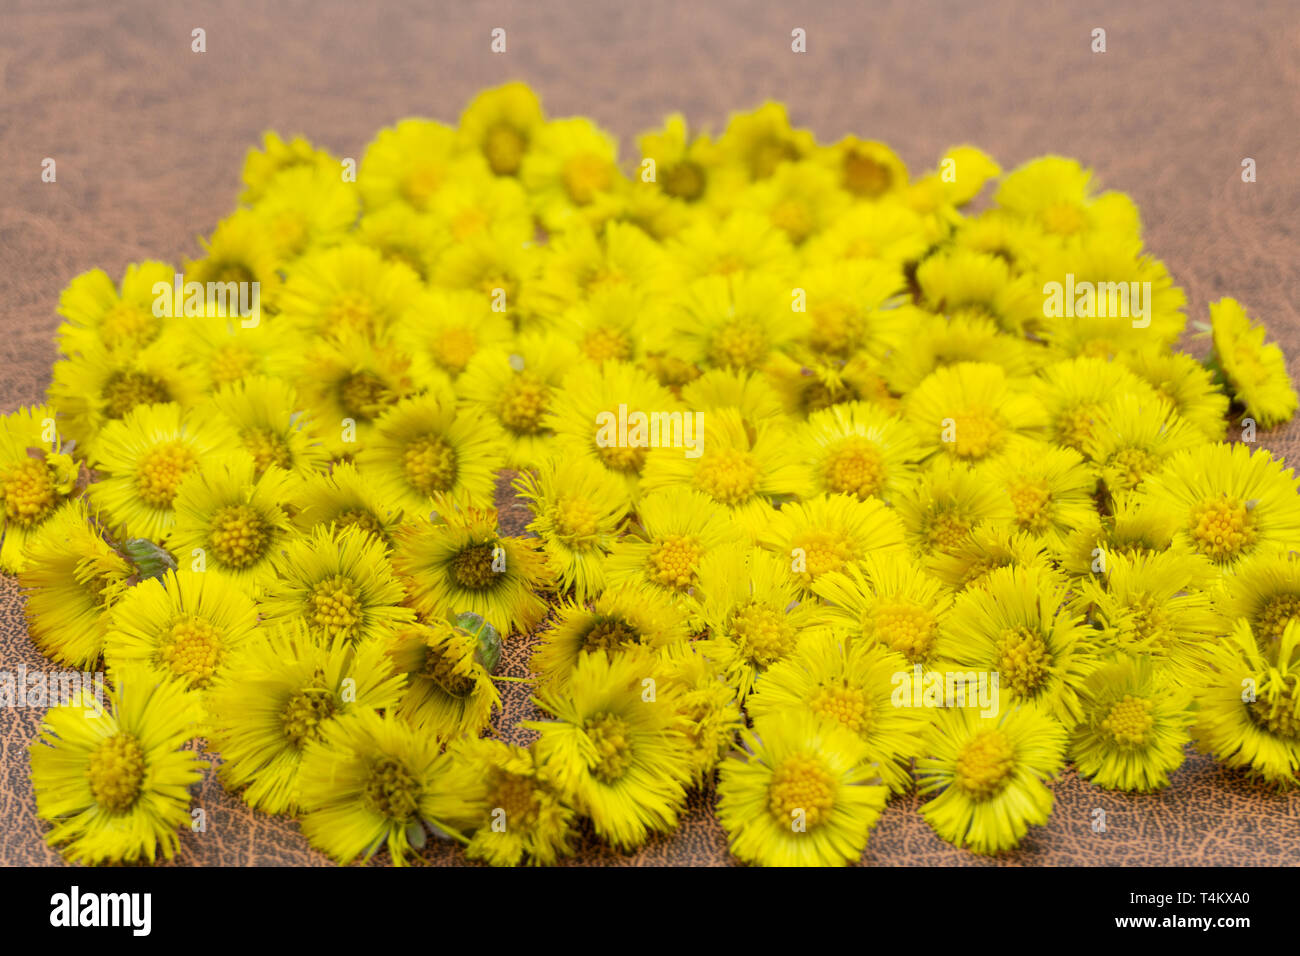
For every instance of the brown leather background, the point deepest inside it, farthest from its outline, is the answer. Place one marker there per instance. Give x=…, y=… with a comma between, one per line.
x=149, y=139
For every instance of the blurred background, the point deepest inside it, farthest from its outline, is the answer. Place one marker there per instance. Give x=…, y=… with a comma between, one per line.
x=150, y=137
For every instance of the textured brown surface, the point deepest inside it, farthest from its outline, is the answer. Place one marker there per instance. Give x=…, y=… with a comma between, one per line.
x=149, y=139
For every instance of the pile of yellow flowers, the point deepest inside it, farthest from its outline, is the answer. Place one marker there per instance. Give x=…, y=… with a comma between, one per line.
x=835, y=490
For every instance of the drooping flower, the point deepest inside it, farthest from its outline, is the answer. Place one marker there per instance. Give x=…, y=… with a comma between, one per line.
x=1255, y=369
x=374, y=781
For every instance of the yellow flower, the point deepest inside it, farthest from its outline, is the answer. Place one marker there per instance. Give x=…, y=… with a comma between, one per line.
x=348, y=384
x=1186, y=384
x=811, y=385
x=887, y=600
x=514, y=388
x=988, y=774
x=674, y=529
x=95, y=309
x=962, y=283
x=1155, y=604
x=582, y=266
x=743, y=474
x=1230, y=501
x=949, y=502
x=1264, y=590
x=936, y=196
x=570, y=163
x=751, y=604
x=887, y=232
x=999, y=232
x=343, y=499
x=1056, y=194
x=496, y=265
x=443, y=330
x=95, y=386
x=1134, y=528
x=285, y=690
x=707, y=702
x=272, y=425
x=71, y=580
x=735, y=323
x=306, y=208
x=620, y=620
x=1248, y=705
x=411, y=162
x=758, y=142
x=114, y=780
x=405, y=236
x=986, y=548
x=684, y=165
x=242, y=250
x=859, y=449
x=424, y=448
x=615, y=747
x=970, y=412
x=1051, y=490
x=587, y=396
x=479, y=207
x=1075, y=391
x=578, y=510
x=37, y=476
x=831, y=533
x=230, y=520
x=144, y=458
x=867, y=169
x=803, y=793
x=373, y=781
x=747, y=392
x=500, y=123
x=338, y=582
x=1134, y=438
x=745, y=241
x=922, y=343
x=261, y=166
x=463, y=563
x=186, y=625
x=1135, y=725
x=449, y=691
x=852, y=684
x=1106, y=270
x=220, y=351
x=1255, y=369
x=799, y=198
x=525, y=817
x=851, y=305
x=616, y=325
x=349, y=288
x=1015, y=626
